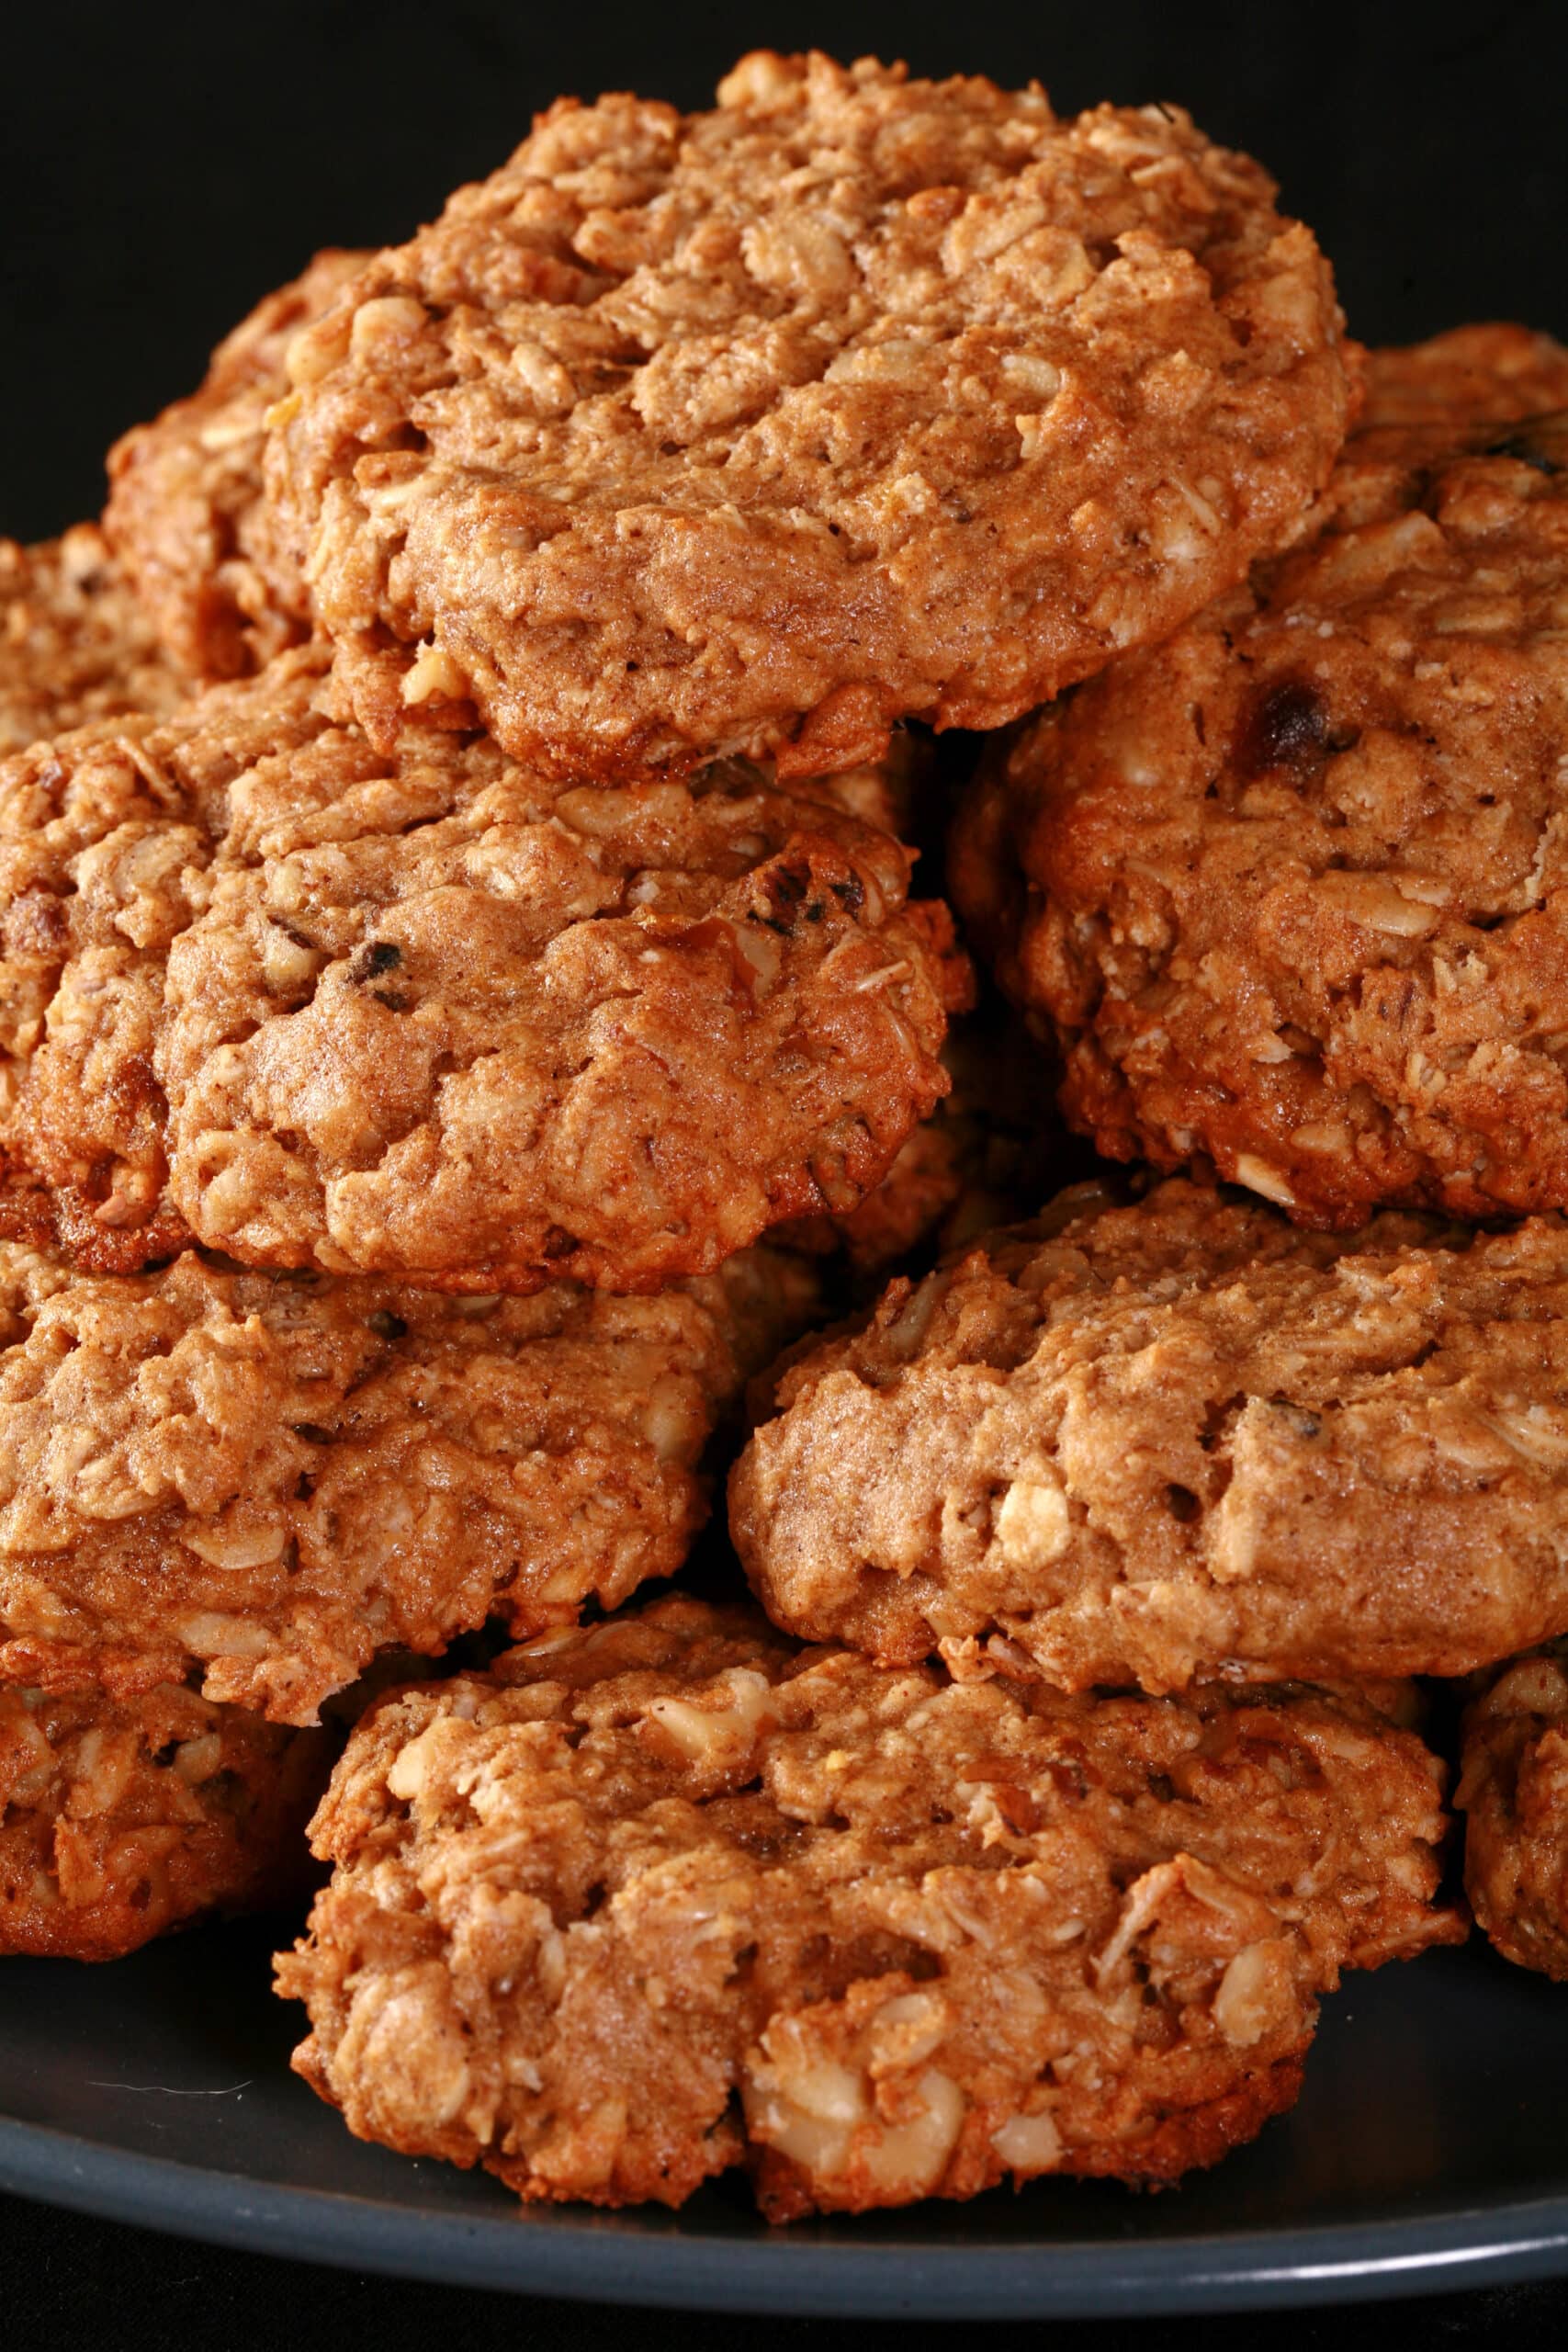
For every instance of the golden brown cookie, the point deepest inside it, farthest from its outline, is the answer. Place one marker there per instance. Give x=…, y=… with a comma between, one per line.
x=1491, y=373
x=434, y=1015
x=75, y=643
x=754, y=430
x=268, y=1480
x=1514, y=1793
x=1291, y=890
x=121, y=1819
x=185, y=512
x=668, y=1896
x=1182, y=1437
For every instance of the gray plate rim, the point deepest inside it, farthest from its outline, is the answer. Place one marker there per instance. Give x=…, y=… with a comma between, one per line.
x=551, y=2253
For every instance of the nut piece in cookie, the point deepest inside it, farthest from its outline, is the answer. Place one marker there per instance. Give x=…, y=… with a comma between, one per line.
x=185, y=513
x=1514, y=1793
x=753, y=430
x=1290, y=890
x=268, y=1480
x=1179, y=1437
x=431, y=1014
x=75, y=643
x=121, y=1819
x=668, y=1896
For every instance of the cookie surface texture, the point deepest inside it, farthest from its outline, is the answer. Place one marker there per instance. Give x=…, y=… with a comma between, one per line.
x=267, y=1481
x=121, y=1819
x=434, y=1015
x=753, y=430
x=1494, y=373
x=74, y=644
x=1141, y=1443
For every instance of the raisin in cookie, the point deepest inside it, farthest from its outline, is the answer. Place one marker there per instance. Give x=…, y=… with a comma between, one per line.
x=1176, y=1438
x=1291, y=890
x=753, y=430
x=433, y=1015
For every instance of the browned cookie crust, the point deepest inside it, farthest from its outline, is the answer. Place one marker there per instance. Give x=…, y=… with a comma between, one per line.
x=753, y=430
x=667, y=1896
x=432, y=1015
x=271, y=1479
x=185, y=512
x=121, y=1819
x=1492, y=374
x=1291, y=890
x=1180, y=1438
x=75, y=643
x=1514, y=1790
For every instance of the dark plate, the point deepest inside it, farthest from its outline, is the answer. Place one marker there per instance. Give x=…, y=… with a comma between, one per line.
x=1429, y=2150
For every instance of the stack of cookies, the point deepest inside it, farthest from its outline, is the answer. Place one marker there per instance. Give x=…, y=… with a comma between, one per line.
x=465, y=1010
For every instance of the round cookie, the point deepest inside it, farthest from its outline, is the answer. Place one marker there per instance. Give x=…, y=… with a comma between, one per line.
x=267, y=1481
x=434, y=1015
x=121, y=1819
x=1513, y=1794
x=1291, y=890
x=666, y=1896
x=1177, y=1438
x=75, y=643
x=754, y=430
x=185, y=512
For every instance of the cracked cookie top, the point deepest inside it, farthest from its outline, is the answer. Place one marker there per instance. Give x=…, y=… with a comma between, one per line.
x=1177, y=1438
x=1291, y=890
x=668, y=1895
x=855, y=397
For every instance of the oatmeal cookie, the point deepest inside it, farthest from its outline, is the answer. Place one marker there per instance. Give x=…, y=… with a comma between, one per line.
x=268, y=1480
x=185, y=512
x=433, y=1015
x=753, y=430
x=1291, y=890
x=1176, y=1438
x=75, y=643
x=1514, y=1792
x=121, y=1819
x=668, y=1896
x=1490, y=374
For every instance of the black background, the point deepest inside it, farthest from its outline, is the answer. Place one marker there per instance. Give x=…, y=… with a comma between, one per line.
x=162, y=167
